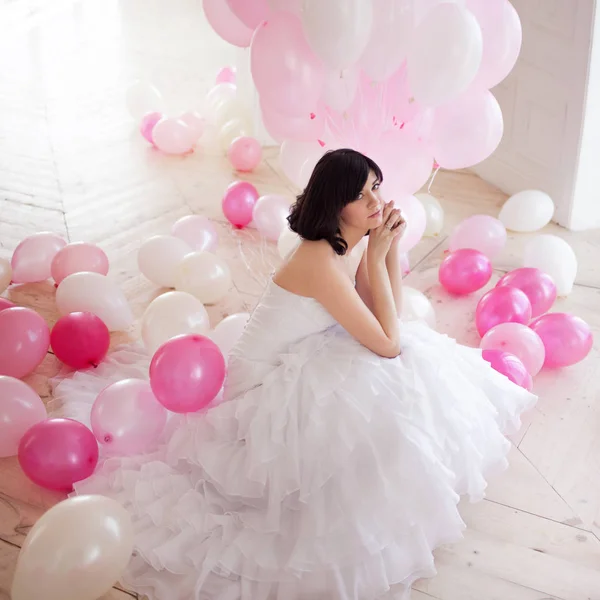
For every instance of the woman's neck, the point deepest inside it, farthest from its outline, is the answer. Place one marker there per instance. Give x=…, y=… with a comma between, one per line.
x=352, y=236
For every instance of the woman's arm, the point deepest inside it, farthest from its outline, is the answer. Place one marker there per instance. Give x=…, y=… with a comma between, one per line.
x=394, y=269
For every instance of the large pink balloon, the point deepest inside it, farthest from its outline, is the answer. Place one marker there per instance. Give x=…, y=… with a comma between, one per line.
x=467, y=130
x=198, y=232
x=510, y=366
x=270, y=214
x=286, y=72
x=32, y=259
x=465, y=271
x=502, y=305
x=127, y=418
x=244, y=153
x=226, y=24
x=20, y=409
x=238, y=203
x=186, y=373
x=567, y=339
x=78, y=257
x=416, y=220
x=538, y=287
x=250, y=12
x=24, y=341
x=479, y=232
x=519, y=340
x=56, y=453
x=305, y=128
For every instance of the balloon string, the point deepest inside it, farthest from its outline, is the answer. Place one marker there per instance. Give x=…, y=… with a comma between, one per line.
x=437, y=169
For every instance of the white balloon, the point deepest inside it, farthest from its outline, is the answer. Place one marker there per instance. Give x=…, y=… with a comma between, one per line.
x=159, y=257
x=434, y=212
x=288, y=241
x=5, y=274
x=95, y=293
x=553, y=256
x=340, y=88
x=298, y=159
x=417, y=307
x=142, y=98
x=205, y=276
x=526, y=211
x=338, y=31
x=269, y=215
x=234, y=128
x=219, y=94
x=445, y=54
x=171, y=314
x=227, y=333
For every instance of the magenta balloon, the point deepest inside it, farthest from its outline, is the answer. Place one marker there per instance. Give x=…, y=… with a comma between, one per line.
x=56, y=453
x=186, y=373
x=286, y=72
x=127, y=418
x=244, y=153
x=76, y=258
x=567, y=339
x=4, y=304
x=510, y=366
x=32, y=259
x=238, y=203
x=250, y=12
x=24, y=341
x=225, y=24
x=538, y=286
x=465, y=271
x=149, y=120
x=502, y=305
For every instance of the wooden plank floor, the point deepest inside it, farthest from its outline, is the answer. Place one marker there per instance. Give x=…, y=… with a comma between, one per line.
x=72, y=162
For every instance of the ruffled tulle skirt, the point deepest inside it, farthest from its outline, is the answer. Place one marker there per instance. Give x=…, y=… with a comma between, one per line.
x=330, y=473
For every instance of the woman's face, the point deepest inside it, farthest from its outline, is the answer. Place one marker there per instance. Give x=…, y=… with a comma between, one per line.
x=366, y=211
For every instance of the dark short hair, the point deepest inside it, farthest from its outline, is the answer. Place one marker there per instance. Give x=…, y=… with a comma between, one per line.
x=337, y=180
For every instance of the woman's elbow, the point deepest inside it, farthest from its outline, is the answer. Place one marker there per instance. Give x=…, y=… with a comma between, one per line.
x=391, y=351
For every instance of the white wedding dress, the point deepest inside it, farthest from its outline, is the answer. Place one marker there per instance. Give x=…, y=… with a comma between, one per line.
x=325, y=473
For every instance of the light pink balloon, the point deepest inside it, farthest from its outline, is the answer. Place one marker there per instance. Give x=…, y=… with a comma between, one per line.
x=225, y=24
x=502, y=38
x=24, y=341
x=403, y=104
x=304, y=128
x=20, y=409
x=479, y=232
x=127, y=418
x=286, y=72
x=198, y=232
x=244, y=153
x=416, y=220
x=467, y=130
x=149, y=120
x=78, y=257
x=567, y=339
x=405, y=264
x=238, y=203
x=465, y=271
x=510, y=366
x=186, y=373
x=250, y=12
x=270, y=214
x=519, y=340
x=537, y=286
x=32, y=258
x=195, y=122
x=502, y=305
x=173, y=136
x=226, y=75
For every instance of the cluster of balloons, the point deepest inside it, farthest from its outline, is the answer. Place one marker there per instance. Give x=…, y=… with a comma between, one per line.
x=404, y=81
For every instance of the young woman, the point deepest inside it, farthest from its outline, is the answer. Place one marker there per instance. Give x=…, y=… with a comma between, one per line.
x=334, y=465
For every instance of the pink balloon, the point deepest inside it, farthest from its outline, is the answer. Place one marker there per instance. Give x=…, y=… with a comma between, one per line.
x=149, y=120
x=4, y=304
x=502, y=305
x=479, y=232
x=416, y=221
x=567, y=339
x=270, y=215
x=80, y=340
x=467, y=130
x=173, y=136
x=226, y=75
x=32, y=258
x=405, y=264
x=250, y=12
x=465, y=271
x=20, y=409
x=198, y=232
x=56, y=453
x=226, y=24
x=76, y=258
x=186, y=373
x=502, y=38
x=510, y=366
x=244, y=153
x=238, y=203
x=304, y=128
x=519, y=340
x=24, y=341
x=127, y=418
x=286, y=72
x=538, y=286
x=195, y=122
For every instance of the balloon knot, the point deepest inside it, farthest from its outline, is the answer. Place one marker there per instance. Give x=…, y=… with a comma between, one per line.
x=94, y=364
x=56, y=285
x=312, y=116
x=321, y=143
x=108, y=438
